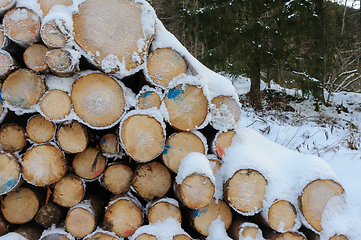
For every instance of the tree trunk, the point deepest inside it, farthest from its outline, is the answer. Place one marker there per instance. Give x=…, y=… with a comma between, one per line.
x=43, y=165
x=46, y=5
x=179, y=145
x=245, y=191
x=187, y=107
x=69, y=191
x=163, y=65
x=142, y=136
x=100, y=234
x=39, y=129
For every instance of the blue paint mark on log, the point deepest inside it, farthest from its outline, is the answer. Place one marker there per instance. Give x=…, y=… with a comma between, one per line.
x=104, y=140
x=146, y=94
x=8, y=185
x=175, y=94
x=199, y=212
x=166, y=149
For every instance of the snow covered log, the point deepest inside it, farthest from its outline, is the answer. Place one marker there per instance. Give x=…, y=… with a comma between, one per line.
x=7, y=64
x=222, y=141
x=281, y=216
x=149, y=97
x=225, y=111
x=289, y=236
x=61, y=62
x=241, y=228
x=54, y=232
x=54, y=34
x=163, y=208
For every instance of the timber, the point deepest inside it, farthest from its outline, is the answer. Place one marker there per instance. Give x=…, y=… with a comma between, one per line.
x=35, y=58
x=117, y=178
x=49, y=214
x=10, y=172
x=12, y=137
x=69, y=191
x=109, y=144
x=54, y=34
x=161, y=209
x=39, y=129
x=7, y=64
x=61, y=62
x=281, y=215
x=148, y=99
x=225, y=112
x=222, y=141
x=72, y=137
x=55, y=104
x=46, y=5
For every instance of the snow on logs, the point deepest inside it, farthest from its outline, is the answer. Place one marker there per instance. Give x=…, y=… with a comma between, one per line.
x=131, y=137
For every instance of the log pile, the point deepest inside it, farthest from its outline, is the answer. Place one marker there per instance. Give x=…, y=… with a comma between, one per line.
x=104, y=134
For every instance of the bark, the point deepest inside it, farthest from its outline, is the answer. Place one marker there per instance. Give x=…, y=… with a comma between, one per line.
x=50, y=213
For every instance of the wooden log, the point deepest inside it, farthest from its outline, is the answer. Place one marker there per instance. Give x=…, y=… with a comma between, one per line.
x=98, y=100
x=161, y=209
x=72, y=137
x=12, y=137
x=123, y=216
x=35, y=58
x=146, y=236
x=10, y=173
x=99, y=29
x=215, y=163
x=339, y=237
x=148, y=98
x=117, y=178
x=314, y=197
x=82, y=219
x=194, y=184
x=142, y=136
x=55, y=34
x=89, y=164
x=179, y=145
x=100, y=234
x=39, y=129
x=225, y=112
x=289, y=236
x=7, y=64
x=163, y=65
x=202, y=218
x=46, y=5
x=4, y=225
x=20, y=206
x=69, y=191
x=43, y=165
x=222, y=141
x=49, y=214
x=63, y=62
x=281, y=216
x=151, y=180
x=56, y=233
x=187, y=107
x=23, y=89
x=241, y=228
x=5, y=5
x=22, y=25
x=55, y=105
x=181, y=237
x=30, y=231
x=245, y=191
x=109, y=144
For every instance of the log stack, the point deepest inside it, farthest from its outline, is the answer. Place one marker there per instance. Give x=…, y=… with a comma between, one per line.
x=106, y=133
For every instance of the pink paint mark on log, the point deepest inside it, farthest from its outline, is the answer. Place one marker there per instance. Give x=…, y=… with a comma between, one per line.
x=129, y=232
x=220, y=151
x=97, y=173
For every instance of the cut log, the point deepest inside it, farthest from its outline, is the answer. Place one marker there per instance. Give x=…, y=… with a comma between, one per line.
x=163, y=65
x=314, y=197
x=98, y=100
x=289, y=236
x=281, y=216
x=20, y=206
x=49, y=214
x=56, y=233
x=195, y=191
x=142, y=136
x=43, y=165
x=225, y=112
x=55, y=104
x=123, y=216
x=222, y=141
x=109, y=144
x=69, y=191
x=46, y=5
x=146, y=236
x=30, y=231
x=35, y=58
x=152, y=180
x=7, y=64
x=6, y=5
x=22, y=25
x=112, y=32
x=100, y=234
x=89, y=164
x=202, y=218
x=161, y=209
x=148, y=98
x=4, y=225
x=10, y=173
x=72, y=137
x=245, y=191
x=181, y=237
x=23, y=89
x=54, y=33
x=215, y=163
x=12, y=137
x=240, y=228
x=187, y=107
x=39, y=129
x=82, y=219
x=179, y=145
x=62, y=62
x=117, y=178
x=339, y=237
